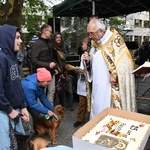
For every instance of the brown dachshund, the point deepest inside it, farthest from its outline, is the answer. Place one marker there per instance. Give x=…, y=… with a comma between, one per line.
x=48, y=126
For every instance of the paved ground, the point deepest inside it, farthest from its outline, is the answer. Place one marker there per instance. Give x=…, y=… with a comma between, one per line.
x=143, y=89
x=67, y=129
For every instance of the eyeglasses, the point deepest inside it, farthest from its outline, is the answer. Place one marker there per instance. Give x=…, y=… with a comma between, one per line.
x=49, y=31
x=91, y=34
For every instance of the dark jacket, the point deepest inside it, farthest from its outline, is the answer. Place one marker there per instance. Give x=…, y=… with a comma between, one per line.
x=11, y=93
x=32, y=92
x=42, y=54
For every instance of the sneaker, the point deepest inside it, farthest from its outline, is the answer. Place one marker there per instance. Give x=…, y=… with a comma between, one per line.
x=76, y=124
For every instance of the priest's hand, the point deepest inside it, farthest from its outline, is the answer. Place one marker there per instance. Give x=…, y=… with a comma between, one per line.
x=112, y=81
x=86, y=57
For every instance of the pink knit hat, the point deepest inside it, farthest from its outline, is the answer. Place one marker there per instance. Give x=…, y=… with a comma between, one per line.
x=43, y=74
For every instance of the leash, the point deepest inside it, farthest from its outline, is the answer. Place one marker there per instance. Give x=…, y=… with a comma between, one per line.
x=54, y=117
x=13, y=140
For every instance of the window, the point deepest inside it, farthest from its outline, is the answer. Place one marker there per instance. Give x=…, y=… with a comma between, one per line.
x=146, y=24
x=146, y=38
x=137, y=23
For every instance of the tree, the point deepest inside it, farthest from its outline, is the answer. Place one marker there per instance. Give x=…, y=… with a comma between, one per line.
x=29, y=14
x=75, y=31
x=118, y=23
x=13, y=11
x=10, y=12
x=35, y=12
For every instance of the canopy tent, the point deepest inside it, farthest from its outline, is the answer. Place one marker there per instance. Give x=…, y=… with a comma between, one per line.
x=101, y=8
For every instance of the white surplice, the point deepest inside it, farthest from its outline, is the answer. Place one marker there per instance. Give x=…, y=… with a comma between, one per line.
x=101, y=87
x=81, y=85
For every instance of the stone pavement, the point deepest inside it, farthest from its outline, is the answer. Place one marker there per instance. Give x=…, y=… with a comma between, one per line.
x=143, y=89
x=67, y=129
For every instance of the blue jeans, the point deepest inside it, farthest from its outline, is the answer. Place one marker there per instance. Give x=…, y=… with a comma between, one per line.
x=4, y=130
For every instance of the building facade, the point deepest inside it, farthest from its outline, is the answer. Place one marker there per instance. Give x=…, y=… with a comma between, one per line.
x=138, y=27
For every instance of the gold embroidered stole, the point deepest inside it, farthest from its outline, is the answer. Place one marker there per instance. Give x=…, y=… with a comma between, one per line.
x=113, y=51
x=88, y=88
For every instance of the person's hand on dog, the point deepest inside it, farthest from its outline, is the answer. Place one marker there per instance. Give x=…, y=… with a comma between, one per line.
x=25, y=115
x=52, y=114
x=55, y=118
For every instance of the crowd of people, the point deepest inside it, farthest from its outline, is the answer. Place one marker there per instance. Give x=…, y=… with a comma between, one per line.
x=105, y=76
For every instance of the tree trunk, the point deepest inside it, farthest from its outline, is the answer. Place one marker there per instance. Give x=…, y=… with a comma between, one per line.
x=10, y=12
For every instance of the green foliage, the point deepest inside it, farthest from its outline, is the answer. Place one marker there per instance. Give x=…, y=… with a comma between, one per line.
x=117, y=22
x=66, y=21
x=10, y=12
x=75, y=32
x=35, y=12
x=36, y=6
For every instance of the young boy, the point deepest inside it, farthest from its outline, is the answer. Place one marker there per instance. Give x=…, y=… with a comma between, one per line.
x=82, y=86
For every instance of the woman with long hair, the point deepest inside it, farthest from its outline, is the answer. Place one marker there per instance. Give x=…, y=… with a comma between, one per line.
x=64, y=83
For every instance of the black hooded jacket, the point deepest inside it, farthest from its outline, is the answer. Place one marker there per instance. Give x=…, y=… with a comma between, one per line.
x=42, y=54
x=11, y=92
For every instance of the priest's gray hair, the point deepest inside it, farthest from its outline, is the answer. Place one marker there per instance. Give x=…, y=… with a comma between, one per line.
x=98, y=23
